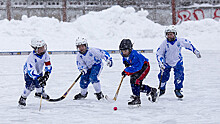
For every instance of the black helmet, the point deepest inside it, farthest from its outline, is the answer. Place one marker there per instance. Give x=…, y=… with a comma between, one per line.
x=126, y=44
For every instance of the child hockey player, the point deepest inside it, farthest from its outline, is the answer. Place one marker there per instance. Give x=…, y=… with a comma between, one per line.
x=169, y=56
x=137, y=67
x=89, y=62
x=33, y=71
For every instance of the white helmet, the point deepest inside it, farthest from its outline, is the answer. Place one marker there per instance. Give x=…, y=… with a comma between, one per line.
x=170, y=28
x=37, y=43
x=81, y=41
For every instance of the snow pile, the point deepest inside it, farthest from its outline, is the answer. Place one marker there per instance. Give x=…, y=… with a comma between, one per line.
x=117, y=22
x=108, y=27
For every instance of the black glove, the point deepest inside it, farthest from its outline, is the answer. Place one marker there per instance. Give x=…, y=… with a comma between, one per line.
x=46, y=75
x=42, y=80
x=123, y=73
x=126, y=64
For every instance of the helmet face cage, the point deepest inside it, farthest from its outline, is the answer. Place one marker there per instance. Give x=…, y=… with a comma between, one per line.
x=170, y=29
x=81, y=41
x=37, y=43
x=126, y=44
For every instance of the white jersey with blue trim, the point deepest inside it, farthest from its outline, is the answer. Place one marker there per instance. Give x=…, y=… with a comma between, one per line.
x=91, y=57
x=35, y=63
x=170, y=52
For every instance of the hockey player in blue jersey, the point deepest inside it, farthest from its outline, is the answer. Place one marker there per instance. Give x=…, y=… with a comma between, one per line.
x=137, y=67
x=89, y=62
x=169, y=56
x=33, y=71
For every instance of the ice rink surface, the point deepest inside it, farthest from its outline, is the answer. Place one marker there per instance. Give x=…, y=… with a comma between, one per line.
x=200, y=103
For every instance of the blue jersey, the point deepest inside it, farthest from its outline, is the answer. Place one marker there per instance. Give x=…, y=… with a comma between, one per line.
x=35, y=63
x=136, y=60
x=91, y=57
x=169, y=52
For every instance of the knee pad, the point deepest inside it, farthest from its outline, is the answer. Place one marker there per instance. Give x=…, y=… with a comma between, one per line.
x=84, y=84
x=30, y=86
x=93, y=79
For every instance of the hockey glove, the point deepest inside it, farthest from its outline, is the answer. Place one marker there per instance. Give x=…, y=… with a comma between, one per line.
x=162, y=66
x=123, y=73
x=42, y=80
x=46, y=75
x=126, y=63
x=197, y=53
x=109, y=62
x=83, y=71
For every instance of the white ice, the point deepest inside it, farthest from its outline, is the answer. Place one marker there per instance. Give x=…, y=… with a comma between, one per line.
x=200, y=105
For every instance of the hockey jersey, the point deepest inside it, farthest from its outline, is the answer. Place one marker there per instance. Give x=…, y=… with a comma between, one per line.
x=136, y=60
x=169, y=52
x=35, y=63
x=91, y=57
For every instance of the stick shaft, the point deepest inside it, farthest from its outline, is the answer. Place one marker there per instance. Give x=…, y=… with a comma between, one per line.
x=116, y=94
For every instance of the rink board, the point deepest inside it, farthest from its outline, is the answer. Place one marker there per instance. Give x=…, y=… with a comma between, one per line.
x=66, y=52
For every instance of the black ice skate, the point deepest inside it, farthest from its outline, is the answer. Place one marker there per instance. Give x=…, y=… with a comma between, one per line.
x=80, y=96
x=135, y=100
x=99, y=95
x=22, y=101
x=162, y=92
x=44, y=95
x=178, y=93
x=153, y=95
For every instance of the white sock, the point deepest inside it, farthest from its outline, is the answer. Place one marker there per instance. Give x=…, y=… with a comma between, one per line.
x=97, y=87
x=25, y=93
x=83, y=91
x=39, y=90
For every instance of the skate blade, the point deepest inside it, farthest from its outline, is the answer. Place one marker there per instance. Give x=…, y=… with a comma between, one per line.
x=134, y=106
x=21, y=106
x=180, y=99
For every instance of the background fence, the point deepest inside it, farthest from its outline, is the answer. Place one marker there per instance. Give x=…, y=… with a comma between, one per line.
x=66, y=52
x=164, y=12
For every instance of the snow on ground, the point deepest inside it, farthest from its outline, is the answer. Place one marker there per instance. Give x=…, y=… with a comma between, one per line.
x=105, y=29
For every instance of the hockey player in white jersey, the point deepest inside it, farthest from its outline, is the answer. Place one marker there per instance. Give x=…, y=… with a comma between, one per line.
x=89, y=62
x=33, y=71
x=169, y=56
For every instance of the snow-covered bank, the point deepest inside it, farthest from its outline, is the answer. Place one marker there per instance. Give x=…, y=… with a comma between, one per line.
x=104, y=29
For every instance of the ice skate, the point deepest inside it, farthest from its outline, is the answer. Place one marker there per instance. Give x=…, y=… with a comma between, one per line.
x=44, y=95
x=153, y=95
x=22, y=102
x=178, y=93
x=80, y=96
x=99, y=95
x=162, y=92
x=135, y=101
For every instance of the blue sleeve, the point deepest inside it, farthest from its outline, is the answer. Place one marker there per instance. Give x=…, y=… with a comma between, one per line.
x=187, y=44
x=101, y=53
x=137, y=61
x=106, y=55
